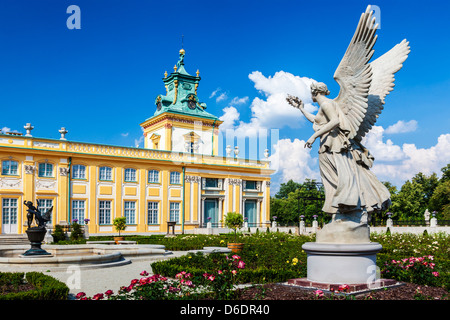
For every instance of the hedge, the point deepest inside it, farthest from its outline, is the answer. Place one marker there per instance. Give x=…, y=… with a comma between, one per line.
x=46, y=287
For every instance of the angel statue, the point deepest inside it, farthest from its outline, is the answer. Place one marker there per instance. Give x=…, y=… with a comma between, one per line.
x=352, y=191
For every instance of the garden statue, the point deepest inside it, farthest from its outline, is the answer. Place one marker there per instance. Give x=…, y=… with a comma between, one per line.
x=352, y=191
x=36, y=234
x=41, y=219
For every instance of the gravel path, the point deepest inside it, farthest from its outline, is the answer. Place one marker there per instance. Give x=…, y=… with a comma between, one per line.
x=97, y=280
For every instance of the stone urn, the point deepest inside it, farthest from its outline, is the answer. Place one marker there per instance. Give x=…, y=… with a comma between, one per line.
x=36, y=235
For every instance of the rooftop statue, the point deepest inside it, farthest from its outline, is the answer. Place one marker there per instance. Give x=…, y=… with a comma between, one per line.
x=352, y=191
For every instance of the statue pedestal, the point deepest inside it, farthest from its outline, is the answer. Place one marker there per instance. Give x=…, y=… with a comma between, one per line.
x=341, y=263
x=36, y=235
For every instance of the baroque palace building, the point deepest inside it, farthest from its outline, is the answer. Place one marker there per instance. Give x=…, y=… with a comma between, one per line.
x=177, y=176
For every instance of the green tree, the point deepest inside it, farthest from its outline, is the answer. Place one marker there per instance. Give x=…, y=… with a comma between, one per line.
x=305, y=199
x=409, y=202
x=286, y=188
x=440, y=201
x=414, y=197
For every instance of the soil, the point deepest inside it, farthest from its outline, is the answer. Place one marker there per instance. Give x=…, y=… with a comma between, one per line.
x=9, y=288
x=407, y=291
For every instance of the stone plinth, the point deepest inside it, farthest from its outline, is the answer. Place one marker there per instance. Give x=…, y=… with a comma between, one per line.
x=331, y=263
x=356, y=287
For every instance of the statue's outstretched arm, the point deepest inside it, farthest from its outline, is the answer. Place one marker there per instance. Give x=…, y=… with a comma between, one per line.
x=331, y=114
x=298, y=104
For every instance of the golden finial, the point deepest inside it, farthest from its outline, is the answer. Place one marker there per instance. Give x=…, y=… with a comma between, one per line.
x=165, y=74
x=175, y=68
x=182, y=51
x=198, y=72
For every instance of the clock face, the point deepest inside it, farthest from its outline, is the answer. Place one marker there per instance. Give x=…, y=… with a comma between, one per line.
x=191, y=104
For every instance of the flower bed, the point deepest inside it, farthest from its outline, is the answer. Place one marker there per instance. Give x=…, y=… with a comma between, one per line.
x=34, y=286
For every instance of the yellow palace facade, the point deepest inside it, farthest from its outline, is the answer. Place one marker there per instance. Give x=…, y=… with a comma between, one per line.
x=177, y=176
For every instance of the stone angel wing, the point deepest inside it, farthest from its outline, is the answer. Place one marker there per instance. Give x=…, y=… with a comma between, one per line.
x=383, y=70
x=354, y=75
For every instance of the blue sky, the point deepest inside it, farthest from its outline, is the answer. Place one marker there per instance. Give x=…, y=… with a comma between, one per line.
x=100, y=81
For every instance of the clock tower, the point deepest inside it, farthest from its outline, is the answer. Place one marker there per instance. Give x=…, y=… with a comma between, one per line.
x=180, y=122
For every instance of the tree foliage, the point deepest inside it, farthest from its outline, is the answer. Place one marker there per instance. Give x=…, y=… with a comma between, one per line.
x=295, y=199
x=408, y=203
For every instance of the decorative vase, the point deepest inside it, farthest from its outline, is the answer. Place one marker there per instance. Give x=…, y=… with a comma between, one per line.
x=36, y=235
x=117, y=239
x=235, y=247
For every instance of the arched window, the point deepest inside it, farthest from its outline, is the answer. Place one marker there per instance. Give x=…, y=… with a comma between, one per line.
x=105, y=173
x=174, y=177
x=45, y=170
x=78, y=171
x=153, y=176
x=130, y=175
x=9, y=167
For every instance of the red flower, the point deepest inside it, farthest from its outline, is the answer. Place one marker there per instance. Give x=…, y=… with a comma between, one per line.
x=109, y=293
x=80, y=295
x=144, y=273
x=98, y=296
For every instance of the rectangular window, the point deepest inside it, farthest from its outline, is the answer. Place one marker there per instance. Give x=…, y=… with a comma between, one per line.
x=174, y=211
x=78, y=171
x=129, y=209
x=45, y=170
x=211, y=183
x=44, y=205
x=78, y=207
x=175, y=177
x=9, y=211
x=153, y=212
x=130, y=175
x=105, y=173
x=251, y=185
x=153, y=176
x=9, y=167
x=104, y=212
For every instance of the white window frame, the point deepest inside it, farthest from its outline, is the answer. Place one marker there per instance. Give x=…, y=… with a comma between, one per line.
x=130, y=175
x=44, y=205
x=105, y=173
x=78, y=171
x=174, y=211
x=175, y=177
x=79, y=210
x=7, y=164
x=9, y=210
x=153, y=175
x=152, y=212
x=129, y=211
x=47, y=171
x=104, y=212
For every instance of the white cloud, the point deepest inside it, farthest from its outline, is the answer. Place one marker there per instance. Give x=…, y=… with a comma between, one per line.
x=221, y=97
x=293, y=161
x=402, y=127
x=238, y=101
x=382, y=151
x=397, y=164
x=5, y=130
x=273, y=111
x=213, y=94
x=229, y=117
x=125, y=134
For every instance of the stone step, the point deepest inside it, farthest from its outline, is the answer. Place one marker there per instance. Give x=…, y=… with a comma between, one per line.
x=13, y=239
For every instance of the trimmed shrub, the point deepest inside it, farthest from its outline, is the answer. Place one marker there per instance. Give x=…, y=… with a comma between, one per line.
x=46, y=287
